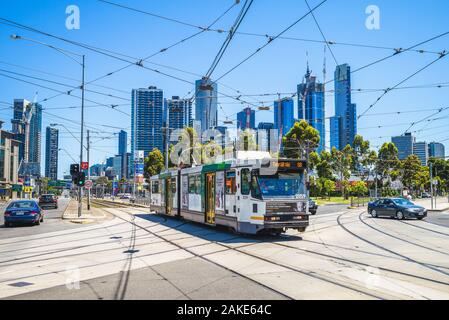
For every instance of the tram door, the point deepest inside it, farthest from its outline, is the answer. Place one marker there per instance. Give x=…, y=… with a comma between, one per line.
x=168, y=197
x=210, y=198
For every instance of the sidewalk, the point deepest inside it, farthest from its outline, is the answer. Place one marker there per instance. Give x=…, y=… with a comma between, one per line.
x=442, y=204
x=71, y=213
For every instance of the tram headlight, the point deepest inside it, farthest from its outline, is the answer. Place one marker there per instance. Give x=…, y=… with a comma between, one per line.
x=274, y=218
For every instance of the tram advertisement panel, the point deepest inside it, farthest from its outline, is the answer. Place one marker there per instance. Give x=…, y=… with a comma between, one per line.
x=219, y=191
x=185, y=192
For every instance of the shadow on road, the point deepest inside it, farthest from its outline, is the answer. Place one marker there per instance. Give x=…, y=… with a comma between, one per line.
x=219, y=234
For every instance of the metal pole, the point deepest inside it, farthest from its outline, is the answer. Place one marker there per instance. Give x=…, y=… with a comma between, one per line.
x=167, y=132
x=375, y=182
x=431, y=185
x=80, y=189
x=88, y=169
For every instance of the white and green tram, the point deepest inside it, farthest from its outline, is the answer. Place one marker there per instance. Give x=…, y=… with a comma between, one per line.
x=247, y=196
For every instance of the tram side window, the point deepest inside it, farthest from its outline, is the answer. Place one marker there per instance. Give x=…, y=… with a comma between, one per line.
x=155, y=187
x=173, y=185
x=230, y=182
x=198, y=184
x=245, y=182
x=192, y=187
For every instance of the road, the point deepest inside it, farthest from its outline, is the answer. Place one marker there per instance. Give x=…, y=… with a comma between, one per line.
x=52, y=222
x=345, y=254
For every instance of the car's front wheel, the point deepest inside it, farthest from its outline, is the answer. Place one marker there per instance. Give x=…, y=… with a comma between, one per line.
x=374, y=213
x=400, y=215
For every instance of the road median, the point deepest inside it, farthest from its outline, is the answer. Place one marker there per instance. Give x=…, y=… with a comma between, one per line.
x=88, y=216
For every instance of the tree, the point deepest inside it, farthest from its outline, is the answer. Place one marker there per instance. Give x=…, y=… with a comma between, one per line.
x=102, y=180
x=341, y=165
x=409, y=169
x=362, y=158
x=326, y=186
x=154, y=163
x=300, y=140
x=387, y=166
x=323, y=165
x=358, y=189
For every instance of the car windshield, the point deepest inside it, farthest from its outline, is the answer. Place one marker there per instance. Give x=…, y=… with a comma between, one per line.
x=22, y=205
x=47, y=197
x=403, y=202
x=282, y=185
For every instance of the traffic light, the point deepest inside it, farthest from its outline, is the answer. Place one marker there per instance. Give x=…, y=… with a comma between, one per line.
x=74, y=169
x=79, y=179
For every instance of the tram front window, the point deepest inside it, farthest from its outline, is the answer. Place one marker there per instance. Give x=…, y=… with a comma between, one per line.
x=282, y=185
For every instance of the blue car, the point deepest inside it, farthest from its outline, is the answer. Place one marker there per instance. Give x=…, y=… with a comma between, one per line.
x=23, y=211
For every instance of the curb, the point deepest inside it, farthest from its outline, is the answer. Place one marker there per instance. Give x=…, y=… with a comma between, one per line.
x=86, y=221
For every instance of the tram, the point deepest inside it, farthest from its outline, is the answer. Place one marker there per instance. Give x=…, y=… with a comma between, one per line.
x=248, y=195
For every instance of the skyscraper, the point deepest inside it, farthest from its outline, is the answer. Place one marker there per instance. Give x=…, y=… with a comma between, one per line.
x=51, y=153
x=146, y=120
x=345, y=118
x=122, y=142
x=246, y=119
x=265, y=139
x=179, y=115
x=436, y=150
x=27, y=126
x=283, y=115
x=420, y=149
x=206, y=104
x=404, y=144
x=311, y=105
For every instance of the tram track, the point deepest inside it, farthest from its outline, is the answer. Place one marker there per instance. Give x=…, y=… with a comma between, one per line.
x=399, y=238
x=313, y=274
x=334, y=259
x=422, y=264
x=427, y=229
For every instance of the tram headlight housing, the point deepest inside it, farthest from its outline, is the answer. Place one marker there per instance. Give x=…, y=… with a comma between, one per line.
x=273, y=218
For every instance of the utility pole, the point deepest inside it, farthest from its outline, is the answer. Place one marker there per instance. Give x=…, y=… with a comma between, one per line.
x=88, y=169
x=167, y=134
x=431, y=185
x=80, y=189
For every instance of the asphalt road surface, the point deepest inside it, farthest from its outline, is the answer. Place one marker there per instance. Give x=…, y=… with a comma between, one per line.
x=52, y=222
x=345, y=254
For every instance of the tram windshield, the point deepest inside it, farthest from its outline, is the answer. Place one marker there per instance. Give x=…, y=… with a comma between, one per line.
x=282, y=185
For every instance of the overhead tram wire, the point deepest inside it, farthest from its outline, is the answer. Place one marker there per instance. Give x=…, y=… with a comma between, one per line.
x=234, y=28
x=140, y=61
x=427, y=118
x=62, y=92
x=322, y=33
x=443, y=54
x=270, y=40
x=397, y=52
x=210, y=29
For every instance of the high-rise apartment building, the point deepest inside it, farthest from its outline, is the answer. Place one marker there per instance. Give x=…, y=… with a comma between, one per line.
x=206, y=104
x=51, y=153
x=404, y=144
x=246, y=119
x=345, y=119
x=311, y=105
x=437, y=150
x=146, y=120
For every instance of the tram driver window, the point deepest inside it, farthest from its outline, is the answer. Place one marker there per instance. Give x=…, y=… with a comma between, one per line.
x=198, y=184
x=155, y=187
x=230, y=182
x=245, y=181
x=192, y=184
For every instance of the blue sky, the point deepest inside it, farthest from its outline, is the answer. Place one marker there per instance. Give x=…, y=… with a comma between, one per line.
x=277, y=68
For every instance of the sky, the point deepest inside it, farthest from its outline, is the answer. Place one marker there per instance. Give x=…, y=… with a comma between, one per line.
x=279, y=67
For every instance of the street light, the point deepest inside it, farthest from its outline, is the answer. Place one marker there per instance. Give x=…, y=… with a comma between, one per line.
x=70, y=55
x=62, y=149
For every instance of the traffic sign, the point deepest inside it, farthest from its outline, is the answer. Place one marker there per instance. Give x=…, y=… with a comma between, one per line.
x=84, y=165
x=88, y=184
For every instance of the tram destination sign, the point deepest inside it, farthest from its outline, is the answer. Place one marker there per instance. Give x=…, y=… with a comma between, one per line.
x=286, y=164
